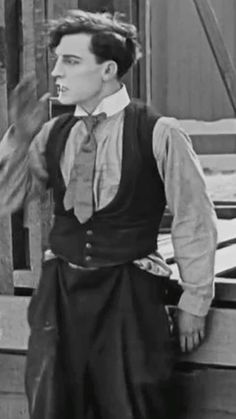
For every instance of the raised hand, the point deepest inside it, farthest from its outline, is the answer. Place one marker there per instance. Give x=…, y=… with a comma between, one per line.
x=26, y=112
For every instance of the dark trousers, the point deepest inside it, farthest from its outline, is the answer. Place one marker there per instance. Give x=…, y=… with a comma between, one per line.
x=100, y=346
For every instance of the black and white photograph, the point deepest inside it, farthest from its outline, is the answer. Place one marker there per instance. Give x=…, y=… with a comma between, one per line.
x=117, y=209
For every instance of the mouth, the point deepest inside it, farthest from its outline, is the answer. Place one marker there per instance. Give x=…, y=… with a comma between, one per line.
x=61, y=89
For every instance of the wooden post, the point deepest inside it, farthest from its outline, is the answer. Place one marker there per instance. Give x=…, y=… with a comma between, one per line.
x=40, y=47
x=218, y=47
x=145, y=62
x=126, y=7
x=159, y=56
x=6, y=268
x=12, y=41
x=32, y=219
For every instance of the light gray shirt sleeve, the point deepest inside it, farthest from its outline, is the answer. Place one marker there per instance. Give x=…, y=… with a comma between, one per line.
x=194, y=232
x=22, y=169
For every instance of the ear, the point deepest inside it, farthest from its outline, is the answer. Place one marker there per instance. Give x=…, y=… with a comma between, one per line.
x=110, y=70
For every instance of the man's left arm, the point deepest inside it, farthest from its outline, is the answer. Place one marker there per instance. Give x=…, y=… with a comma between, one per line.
x=194, y=232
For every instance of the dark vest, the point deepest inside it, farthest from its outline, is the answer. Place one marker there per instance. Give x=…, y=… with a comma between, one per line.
x=127, y=228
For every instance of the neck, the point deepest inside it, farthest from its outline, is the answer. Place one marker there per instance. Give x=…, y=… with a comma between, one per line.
x=91, y=104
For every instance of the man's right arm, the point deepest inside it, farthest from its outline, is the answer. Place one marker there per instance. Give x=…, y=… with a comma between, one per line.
x=14, y=179
x=23, y=173
x=24, y=142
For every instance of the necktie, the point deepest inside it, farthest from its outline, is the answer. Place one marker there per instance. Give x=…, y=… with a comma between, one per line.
x=79, y=193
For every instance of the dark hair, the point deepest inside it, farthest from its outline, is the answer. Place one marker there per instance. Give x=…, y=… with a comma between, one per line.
x=112, y=39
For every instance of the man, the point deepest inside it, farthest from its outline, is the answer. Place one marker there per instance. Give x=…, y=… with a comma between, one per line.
x=100, y=343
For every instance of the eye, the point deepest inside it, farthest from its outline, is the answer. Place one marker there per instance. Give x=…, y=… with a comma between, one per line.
x=53, y=57
x=71, y=60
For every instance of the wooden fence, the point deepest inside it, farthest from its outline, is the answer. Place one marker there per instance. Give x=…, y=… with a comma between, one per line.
x=205, y=381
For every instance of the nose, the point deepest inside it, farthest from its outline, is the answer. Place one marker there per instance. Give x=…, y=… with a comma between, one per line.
x=58, y=70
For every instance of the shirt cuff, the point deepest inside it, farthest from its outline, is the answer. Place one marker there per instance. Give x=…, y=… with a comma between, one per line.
x=195, y=304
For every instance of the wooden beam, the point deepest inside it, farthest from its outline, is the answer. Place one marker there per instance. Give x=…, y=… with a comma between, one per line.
x=159, y=57
x=145, y=39
x=223, y=59
x=40, y=47
x=13, y=403
x=219, y=346
x=13, y=406
x=207, y=393
x=13, y=42
x=6, y=268
x=32, y=212
x=218, y=349
x=12, y=368
x=14, y=330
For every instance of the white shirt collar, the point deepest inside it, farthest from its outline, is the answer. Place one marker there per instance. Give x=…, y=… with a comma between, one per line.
x=110, y=105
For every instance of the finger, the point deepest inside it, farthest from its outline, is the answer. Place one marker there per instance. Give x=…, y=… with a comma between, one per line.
x=27, y=84
x=202, y=334
x=24, y=100
x=44, y=97
x=189, y=343
x=182, y=342
x=196, y=339
x=42, y=104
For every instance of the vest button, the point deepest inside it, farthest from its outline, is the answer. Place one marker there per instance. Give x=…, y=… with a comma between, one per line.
x=88, y=258
x=89, y=232
x=88, y=245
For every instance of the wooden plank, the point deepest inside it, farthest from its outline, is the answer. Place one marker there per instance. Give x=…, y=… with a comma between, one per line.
x=96, y=5
x=13, y=406
x=226, y=230
x=40, y=47
x=6, y=264
x=29, y=63
x=221, y=126
x=12, y=367
x=13, y=42
x=218, y=162
x=210, y=392
x=125, y=7
x=219, y=346
x=218, y=47
x=214, y=144
x=14, y=329
x=33, y=223
x=145, y=39
x=225, y=290
x=3, y=73
x=159, y=57
x=24, y=279
x=6, y=268
x=218, y=349
x=225, y=260
x=13, y=403
x=32, y=214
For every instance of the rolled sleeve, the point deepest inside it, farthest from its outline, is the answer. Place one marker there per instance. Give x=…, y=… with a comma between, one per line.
x=194, y=232
x=14, y=181
x=23, y=171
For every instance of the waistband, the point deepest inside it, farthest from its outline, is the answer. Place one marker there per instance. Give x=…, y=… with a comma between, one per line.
x=49, y=255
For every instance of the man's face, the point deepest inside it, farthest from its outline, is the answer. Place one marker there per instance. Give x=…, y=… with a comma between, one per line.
x=76, y=72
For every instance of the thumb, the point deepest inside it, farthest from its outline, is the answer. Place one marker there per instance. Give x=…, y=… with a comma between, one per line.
x=44, y=97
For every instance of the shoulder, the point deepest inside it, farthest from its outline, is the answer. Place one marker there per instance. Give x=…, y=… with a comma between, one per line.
x=170, y=129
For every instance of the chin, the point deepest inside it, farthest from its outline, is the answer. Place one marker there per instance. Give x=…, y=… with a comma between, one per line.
x=65, y=101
